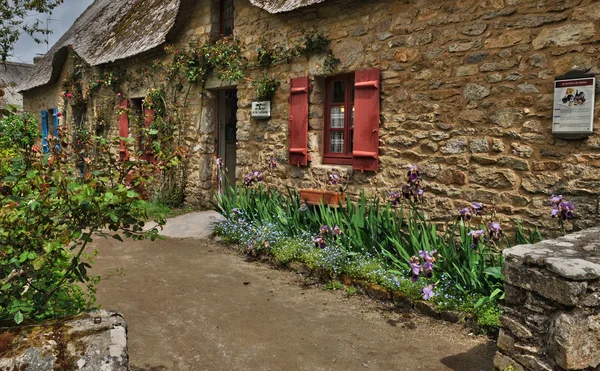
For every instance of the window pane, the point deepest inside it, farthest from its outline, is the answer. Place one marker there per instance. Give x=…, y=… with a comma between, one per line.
x=339, y=92
x=352, y=117
x=351, y=141
x=228, y=9
x=336, y=141
x=337, y=117
x=352, y=91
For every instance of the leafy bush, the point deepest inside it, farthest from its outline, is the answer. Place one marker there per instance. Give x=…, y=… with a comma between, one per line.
x=52, y=206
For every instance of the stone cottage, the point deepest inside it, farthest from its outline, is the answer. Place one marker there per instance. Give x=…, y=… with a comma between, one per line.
x=11, y=75
x=463, y=88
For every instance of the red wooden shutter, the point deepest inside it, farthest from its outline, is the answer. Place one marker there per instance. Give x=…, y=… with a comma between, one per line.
x=148, y=154
x=124, y=128
x=298, y=141
x=366, y=120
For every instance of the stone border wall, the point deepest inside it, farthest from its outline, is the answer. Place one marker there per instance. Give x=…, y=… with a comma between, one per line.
x=551, y=317
x=90, y=342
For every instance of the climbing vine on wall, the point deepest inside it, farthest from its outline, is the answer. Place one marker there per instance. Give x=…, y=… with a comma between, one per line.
x=169, y=83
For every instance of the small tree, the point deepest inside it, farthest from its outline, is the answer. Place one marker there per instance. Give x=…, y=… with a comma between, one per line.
x=14, y=21
x=52, y=205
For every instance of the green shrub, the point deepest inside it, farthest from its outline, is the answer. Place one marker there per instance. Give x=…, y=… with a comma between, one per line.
x=51, y=209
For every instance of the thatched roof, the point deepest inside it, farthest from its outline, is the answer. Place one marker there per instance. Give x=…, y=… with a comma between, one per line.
x=280, y=6
x=11, y=74
x=111, y=30
x=107, y=31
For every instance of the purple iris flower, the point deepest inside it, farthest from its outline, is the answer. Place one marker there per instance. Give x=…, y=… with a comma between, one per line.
x=324, y=229
x=415, y=268
x=428, y=292
x=334, y=179
x=555, y=200
x=235, y=210
x=219, y=162
x=428, y=266
x=406, y=192
x=566, y=210
x=394, y=198
x=273, y=162
x=413, y=173
x=477, y=207
x=464, y=214
x=495, y=231
x=337, y=231
x=320, y=242
x=555, y=212
x=477, y=235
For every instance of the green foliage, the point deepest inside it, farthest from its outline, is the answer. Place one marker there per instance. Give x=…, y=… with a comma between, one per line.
x=16, y=19
x=351, y=290
x=510, y=367
x=314, y=44
x=287, y=250
x=51, y=208
x=488, y=317
x=265, y=86
x=333, y=285
x=155, y=210
x=379, y=239
x=18, y=131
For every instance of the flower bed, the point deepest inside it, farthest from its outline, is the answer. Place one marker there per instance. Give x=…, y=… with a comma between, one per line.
x=391, y=244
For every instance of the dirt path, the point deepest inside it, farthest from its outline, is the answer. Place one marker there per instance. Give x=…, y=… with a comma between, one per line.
x=194, y=305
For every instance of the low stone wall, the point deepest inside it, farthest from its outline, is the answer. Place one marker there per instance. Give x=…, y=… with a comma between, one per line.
x=94, y=341
x=551, y=317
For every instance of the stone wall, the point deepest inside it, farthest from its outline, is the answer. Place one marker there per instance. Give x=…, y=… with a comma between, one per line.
x=91, y=342
x=551, y=317
x=467, y=92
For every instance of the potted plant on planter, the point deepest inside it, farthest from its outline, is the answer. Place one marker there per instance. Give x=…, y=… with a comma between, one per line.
x=330, y=191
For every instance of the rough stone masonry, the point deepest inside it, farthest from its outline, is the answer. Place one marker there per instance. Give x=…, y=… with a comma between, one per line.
x=95, y=341
x=466, y=93
x=551, y=317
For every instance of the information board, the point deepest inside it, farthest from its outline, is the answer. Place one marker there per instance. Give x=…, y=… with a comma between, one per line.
x=573, y=115
x=261, y=110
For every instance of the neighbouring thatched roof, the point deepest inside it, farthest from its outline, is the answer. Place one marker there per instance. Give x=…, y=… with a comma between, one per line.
x=11, y=74
x=280, y=6
x=107, y=31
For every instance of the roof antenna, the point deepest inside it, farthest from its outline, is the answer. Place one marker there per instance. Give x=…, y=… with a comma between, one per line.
x=48, y=20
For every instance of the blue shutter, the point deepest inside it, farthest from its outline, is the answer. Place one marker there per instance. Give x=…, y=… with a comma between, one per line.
x=55, y=115
x=45, y=131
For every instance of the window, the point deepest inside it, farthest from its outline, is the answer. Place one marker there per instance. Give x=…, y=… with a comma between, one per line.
x=352, y=110
x=50, y=123
x=339, y=120
x=140, y=118
x=226, y=12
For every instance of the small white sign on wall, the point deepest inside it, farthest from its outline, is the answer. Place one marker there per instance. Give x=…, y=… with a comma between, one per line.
x=261, y=110
x=573, y=115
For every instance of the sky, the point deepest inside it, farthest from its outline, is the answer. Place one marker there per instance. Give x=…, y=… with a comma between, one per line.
x=64, y=15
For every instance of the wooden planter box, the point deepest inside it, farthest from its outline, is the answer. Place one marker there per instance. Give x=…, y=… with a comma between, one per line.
x=318, y=196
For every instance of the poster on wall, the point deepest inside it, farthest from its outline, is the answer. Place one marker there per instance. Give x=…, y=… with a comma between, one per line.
x=574, y=99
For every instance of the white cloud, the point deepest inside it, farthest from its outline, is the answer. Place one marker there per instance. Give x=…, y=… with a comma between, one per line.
x=64, y=15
